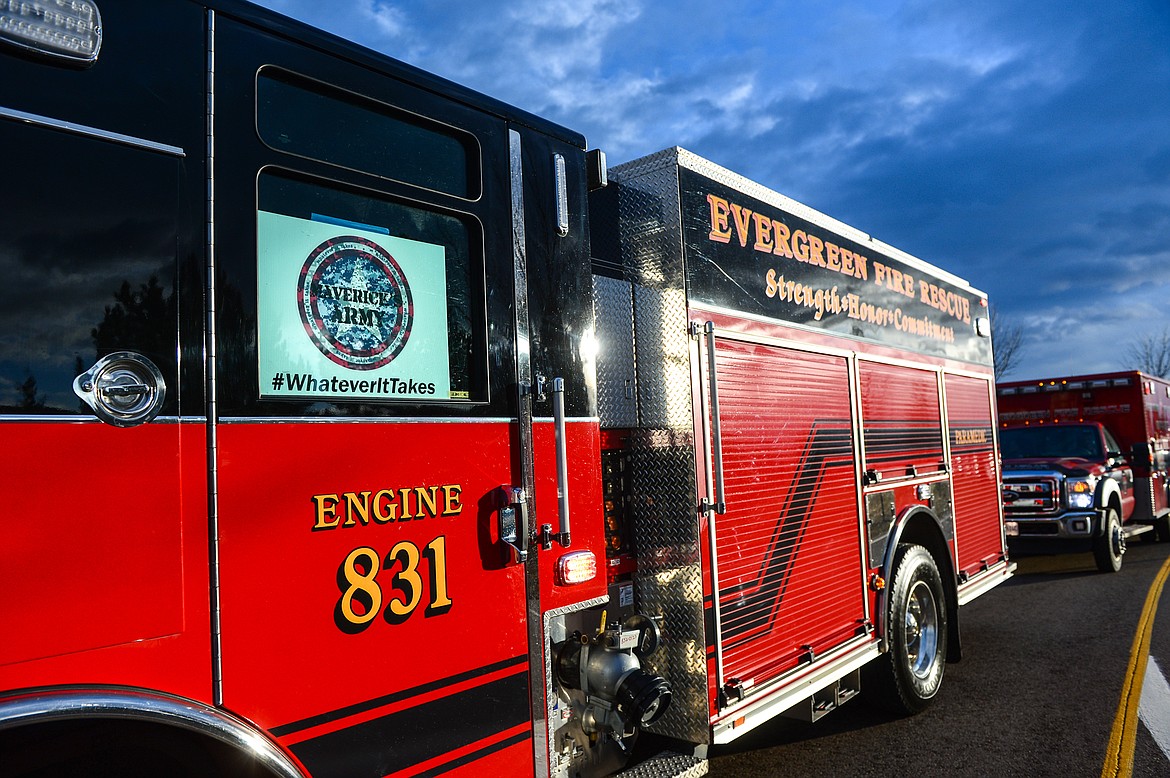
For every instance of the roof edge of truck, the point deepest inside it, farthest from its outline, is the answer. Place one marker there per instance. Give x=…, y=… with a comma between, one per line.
x=692, y=161
x=332, y=43
x=1079, y=378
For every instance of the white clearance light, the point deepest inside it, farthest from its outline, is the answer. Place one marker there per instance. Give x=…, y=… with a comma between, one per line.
x=576, y=567
x=64, y=29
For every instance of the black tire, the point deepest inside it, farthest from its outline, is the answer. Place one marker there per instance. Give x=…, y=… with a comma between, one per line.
x=1109, y=546
x=907, y=678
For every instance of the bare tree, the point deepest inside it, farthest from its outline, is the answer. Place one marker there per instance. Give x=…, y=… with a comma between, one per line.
x=1007, y=340
x=1151, y=354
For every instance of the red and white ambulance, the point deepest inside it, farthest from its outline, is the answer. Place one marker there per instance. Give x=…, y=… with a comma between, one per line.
x=1085, y=461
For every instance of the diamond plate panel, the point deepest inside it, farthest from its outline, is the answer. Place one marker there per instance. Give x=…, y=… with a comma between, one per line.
x=666, y=765
x=613, y=304
x=669, y=583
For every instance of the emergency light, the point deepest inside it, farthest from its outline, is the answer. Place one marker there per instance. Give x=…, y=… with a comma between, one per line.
x=62, y=29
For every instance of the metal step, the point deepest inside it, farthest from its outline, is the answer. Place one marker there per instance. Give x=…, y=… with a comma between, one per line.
x=667, y=764
x=827, y=699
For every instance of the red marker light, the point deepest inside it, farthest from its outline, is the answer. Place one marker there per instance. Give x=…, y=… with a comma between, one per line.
x=576, y=567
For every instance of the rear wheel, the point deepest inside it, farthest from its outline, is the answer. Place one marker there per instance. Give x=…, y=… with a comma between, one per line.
x=115, y=748
x=907, y=678
x=1109, y=546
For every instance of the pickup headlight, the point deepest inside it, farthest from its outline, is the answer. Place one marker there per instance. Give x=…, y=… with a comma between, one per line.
x=1080, y=493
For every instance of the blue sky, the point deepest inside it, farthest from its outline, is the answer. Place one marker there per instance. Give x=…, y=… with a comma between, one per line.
x=1021, y=144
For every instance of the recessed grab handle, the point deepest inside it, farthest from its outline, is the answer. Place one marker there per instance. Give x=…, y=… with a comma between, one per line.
x=717, y=440
x=558, y=400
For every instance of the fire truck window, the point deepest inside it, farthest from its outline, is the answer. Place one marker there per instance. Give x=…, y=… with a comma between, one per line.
x=365, y=299
x=310, y=119
x=87, y=253
x=1112, y=446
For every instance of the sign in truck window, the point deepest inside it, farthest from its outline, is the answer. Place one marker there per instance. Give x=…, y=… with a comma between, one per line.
x=348, y=312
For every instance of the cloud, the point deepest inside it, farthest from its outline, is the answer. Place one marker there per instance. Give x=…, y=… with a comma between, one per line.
x=1025, y=147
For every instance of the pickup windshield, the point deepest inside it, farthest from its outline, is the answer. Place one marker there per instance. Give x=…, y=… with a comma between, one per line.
x=1045, y=442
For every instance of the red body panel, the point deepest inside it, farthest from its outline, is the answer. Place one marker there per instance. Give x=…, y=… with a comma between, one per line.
x=791, y=557
x=789, y=554
x=974, y=473
x=113, y=589
x=269, y=522
x=584, y=471
x=901, y=420
x=289, y=651
x=462, y=644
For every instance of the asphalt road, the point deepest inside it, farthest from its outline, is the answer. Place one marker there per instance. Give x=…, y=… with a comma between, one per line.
x=1036, y=694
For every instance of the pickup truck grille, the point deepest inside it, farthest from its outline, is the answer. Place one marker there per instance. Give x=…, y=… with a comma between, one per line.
x=1030, y=496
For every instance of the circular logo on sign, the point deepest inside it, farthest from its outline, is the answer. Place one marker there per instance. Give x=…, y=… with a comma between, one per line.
x=355, y=302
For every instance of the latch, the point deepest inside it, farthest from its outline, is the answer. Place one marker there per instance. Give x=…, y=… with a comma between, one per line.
x=512, y=523
x=732, y=692
x=124, y=389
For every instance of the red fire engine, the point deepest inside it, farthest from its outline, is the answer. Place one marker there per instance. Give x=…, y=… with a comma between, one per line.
x=822, y=404
x=319, y=460
x=1085, y=462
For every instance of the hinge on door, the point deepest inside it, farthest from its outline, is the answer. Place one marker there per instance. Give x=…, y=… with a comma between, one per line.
x=706, y=505
x=535, y=390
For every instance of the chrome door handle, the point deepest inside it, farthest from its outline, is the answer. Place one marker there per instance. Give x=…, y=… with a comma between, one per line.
x=124, y=389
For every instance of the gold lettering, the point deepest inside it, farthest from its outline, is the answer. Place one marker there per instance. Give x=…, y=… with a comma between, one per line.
x=451, y=496
x=405, y=499
x=782, y=234
x=800, y=245
x=426, y=498
x=862, y=270
x=386, y=505
x=742, y=217
x=324, y=511
x=833, y=257
x=385, y=509
x=720, y=229
x=815, y=246
x=352, y=506
x=763, y=232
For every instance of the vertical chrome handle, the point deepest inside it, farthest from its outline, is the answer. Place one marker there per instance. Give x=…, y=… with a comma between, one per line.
x=561, y=179
x=558, y=400
x=717, y=440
